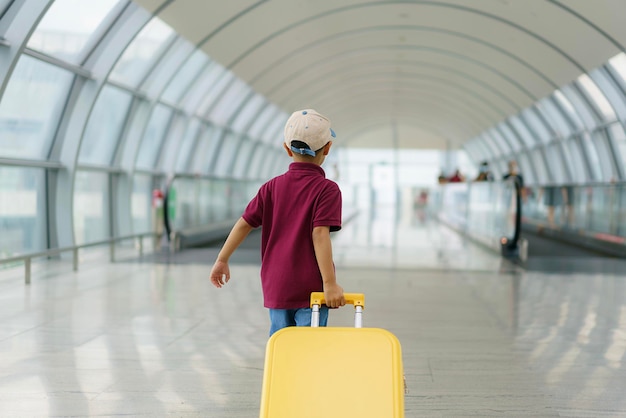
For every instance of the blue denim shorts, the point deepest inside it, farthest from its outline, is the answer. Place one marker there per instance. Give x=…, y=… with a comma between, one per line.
x=282, y=318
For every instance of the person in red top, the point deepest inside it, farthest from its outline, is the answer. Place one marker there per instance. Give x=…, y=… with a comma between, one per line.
x=297, y=210
x=457, y=177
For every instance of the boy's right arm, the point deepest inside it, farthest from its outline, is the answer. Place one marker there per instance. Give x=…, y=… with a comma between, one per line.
x=220, y=273
x=333, y=293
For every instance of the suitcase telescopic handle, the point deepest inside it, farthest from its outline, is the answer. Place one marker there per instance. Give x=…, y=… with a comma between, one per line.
x=356, y=299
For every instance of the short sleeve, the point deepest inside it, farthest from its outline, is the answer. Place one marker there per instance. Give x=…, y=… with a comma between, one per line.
x=253, y=214
x=327, y=210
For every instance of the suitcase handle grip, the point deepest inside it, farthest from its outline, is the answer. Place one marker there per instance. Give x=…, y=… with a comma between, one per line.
x=356, y=299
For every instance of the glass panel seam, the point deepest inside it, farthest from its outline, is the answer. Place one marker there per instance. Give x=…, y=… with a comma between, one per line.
x=76, y=69
x=156, y=61
x=54, y=165
x=150, y=172
x=101, y=168
x=138, y=94
x=103, y=31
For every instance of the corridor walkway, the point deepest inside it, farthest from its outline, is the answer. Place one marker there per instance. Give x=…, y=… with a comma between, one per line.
x=479, y=337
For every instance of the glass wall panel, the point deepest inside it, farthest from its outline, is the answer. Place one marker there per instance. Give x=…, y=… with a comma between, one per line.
x=104, y=126
x=571, y=111
x=141, y=203
x=239, y=197
x=497, y=169
x=483, y=150
x=223, y=166
x=186, y=145
x=619, y=139
x=555, y=118
x=557, y=169
x=262, y=120
x=589, y=150
x=270, y=167
x=618, y=63
x=471, y=151
x=220, y=205
x=579, y=168
x=501, y=167
x=153, y=137
x=205, y=151
x=215, y=89
x=249, y=113
x=186, y=212
x=477, y=152
x=31, y=107
x=4, y=5
x=256, y=161
x=204, y=201
x=192, y=100
x=523, y=132
x=165, y=68
x=229, y=102
x=603, y=201
x=22, y=211
x=509, y=135
x=537, y=126
x=67, y=27
x=611, y=90
x=140, y=54
x=583, y=109
x=568, y=165
x=185, y=76
x=173, y=143
x=246, y=148
x=274, y=132
x=91, y=207
x=601, y=105
x=498, y=149
x=540, y=166
x=609, y=171
x=526, y=169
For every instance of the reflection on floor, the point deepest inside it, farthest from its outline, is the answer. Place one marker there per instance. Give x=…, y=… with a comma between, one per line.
x=153, y=339
x=386, y=239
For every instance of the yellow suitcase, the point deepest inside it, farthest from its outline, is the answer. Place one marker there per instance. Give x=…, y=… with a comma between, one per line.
x=333, y=372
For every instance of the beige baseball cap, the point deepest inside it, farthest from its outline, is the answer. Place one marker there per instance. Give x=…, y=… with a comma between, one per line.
x=310, y=127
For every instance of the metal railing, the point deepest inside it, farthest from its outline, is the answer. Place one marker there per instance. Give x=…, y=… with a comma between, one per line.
x=27, y=258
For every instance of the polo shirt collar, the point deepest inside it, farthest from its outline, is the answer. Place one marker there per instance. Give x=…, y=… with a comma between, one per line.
x=307, y=167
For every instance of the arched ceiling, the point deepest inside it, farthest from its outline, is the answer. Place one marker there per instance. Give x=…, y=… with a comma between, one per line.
x=429, y=72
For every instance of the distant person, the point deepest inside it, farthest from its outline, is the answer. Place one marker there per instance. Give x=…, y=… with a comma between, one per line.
x=514, y=172
x=551, y=199
x=555, y=196
x=484, y=174
x=297, y=210
x=569, y=196
x=457, y=177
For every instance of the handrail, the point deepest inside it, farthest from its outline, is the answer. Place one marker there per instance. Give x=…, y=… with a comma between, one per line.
x=56, y=251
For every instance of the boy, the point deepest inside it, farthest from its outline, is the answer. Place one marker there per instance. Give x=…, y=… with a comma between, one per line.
x=297, y=210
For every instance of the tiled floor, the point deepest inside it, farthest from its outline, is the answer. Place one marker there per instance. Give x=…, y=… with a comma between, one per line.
x=479, y=337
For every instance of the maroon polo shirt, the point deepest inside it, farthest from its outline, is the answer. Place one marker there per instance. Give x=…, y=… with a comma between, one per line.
x=289, y=207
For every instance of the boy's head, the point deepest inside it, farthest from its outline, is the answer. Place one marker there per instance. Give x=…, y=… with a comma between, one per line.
x=307, y=135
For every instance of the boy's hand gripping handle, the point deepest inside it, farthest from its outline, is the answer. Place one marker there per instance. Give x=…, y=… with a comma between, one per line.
x=356, y=299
